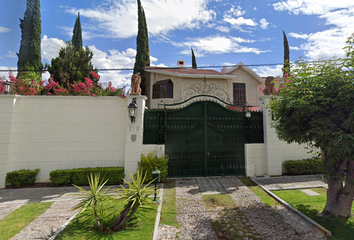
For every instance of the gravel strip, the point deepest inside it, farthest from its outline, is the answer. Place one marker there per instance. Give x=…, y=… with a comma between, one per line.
x=276, y=224
x=6, y=209
x=192, y=217
x=49, y=222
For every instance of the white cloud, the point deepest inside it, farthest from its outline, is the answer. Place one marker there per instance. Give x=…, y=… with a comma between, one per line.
x=237, y=22
x=11, y=55
x=51, y=47
x=119, y=19
x=264, y=23
x=234, y=12
x=338, y=16
x=4, y=29
x=312, y=7
x=265, y=71
x=295, y=48
x=298, y=35
x=6, y=70
x=217, y=45
x=222, y=29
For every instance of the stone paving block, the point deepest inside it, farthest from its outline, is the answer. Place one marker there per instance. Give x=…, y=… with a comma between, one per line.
x=310, y=192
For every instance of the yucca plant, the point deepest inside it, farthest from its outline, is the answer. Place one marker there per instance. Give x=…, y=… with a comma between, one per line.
x=135, y=196
x=94, y=199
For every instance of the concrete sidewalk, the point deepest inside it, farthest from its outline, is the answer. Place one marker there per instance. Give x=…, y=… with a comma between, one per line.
x=206, y=186
x=290, y=182
x=26, y=195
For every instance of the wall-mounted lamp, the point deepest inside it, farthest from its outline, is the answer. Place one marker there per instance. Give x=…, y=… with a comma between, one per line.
x=248, y=114
x=7, y=87
x=132, y=110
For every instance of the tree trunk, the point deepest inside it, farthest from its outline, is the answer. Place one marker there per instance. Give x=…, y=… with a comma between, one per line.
x=339, y=194
x=124, y=217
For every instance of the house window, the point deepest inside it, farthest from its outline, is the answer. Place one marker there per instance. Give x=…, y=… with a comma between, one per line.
x=239, y=93
x=162, y=89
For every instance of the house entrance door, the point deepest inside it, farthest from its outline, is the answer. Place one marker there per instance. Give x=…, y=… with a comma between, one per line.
x=204, y=139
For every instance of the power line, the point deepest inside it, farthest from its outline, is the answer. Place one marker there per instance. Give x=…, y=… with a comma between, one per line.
x=131, y=69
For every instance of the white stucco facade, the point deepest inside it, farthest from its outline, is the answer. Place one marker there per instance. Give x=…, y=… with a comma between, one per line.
x=195, y=81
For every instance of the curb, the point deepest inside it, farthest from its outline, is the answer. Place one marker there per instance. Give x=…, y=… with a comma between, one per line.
x=63, y=227
x=323, y=230
x=157, y=222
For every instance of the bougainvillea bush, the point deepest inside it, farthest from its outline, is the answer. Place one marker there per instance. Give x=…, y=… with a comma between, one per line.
x=87, y=87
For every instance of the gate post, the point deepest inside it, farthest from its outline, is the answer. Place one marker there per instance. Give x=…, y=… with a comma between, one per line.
x=134, y=137
x=273, y=148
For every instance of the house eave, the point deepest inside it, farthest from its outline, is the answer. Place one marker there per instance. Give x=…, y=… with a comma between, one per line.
x=181, y=75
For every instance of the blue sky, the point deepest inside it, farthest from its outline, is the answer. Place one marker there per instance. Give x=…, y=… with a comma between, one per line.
x=221, y=32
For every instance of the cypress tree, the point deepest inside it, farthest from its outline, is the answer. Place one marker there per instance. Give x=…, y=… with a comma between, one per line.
x=142, y=58
x=286, y=65
x=194, y=62
x=77, y=34
x=29, y=56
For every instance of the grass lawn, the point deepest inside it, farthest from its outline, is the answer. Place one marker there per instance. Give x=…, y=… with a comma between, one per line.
x=218, y=200
x=341, y=228
x=140, y=228
x=268, y=200
x=168, y=212
x=13, y=223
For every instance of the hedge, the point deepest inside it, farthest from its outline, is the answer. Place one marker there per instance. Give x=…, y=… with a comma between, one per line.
x=150, y=162
x=78, y=176
x=21, y=178
x=303, y=167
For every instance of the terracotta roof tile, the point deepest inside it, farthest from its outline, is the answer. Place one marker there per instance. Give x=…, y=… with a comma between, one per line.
x=187, y=71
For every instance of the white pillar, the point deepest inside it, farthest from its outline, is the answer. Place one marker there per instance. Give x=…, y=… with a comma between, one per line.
x=134, y=137
x=273, y=150
x=249, y=158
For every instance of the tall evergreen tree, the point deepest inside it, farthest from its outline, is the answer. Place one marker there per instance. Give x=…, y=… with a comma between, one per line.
x=194, y=62
x=142, y=58
x=29, y=56
x=286, y=66
x=77, y=34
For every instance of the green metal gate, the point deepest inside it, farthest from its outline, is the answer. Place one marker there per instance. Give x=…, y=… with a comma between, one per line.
x=204, y=139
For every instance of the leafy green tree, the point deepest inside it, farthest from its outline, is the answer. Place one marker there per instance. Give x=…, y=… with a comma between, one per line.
x=77, y=34
x=29, y=56
x=142, y=58
x=316, y=107
x=72, y=66
x=286, y=66
x=194, y=61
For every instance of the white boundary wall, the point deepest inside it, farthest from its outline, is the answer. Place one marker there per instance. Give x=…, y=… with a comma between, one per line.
x=267, y=158
x=62, y=132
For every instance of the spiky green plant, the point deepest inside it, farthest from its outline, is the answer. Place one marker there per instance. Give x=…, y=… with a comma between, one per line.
x=136, y=195
x=94, y=199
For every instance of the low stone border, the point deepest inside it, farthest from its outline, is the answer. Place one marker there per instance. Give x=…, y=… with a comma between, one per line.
x=323, y=230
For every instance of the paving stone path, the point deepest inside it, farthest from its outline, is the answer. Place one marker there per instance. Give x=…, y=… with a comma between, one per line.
x=250, y=220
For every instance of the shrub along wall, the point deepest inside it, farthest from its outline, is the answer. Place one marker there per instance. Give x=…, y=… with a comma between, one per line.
x=78, y=176
x=303, y=167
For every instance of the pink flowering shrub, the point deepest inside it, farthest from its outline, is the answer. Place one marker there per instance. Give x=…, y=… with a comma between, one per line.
x=88, y=87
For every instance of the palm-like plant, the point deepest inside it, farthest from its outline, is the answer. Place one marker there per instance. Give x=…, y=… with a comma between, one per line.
x=136, y=196
x=93, y=199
